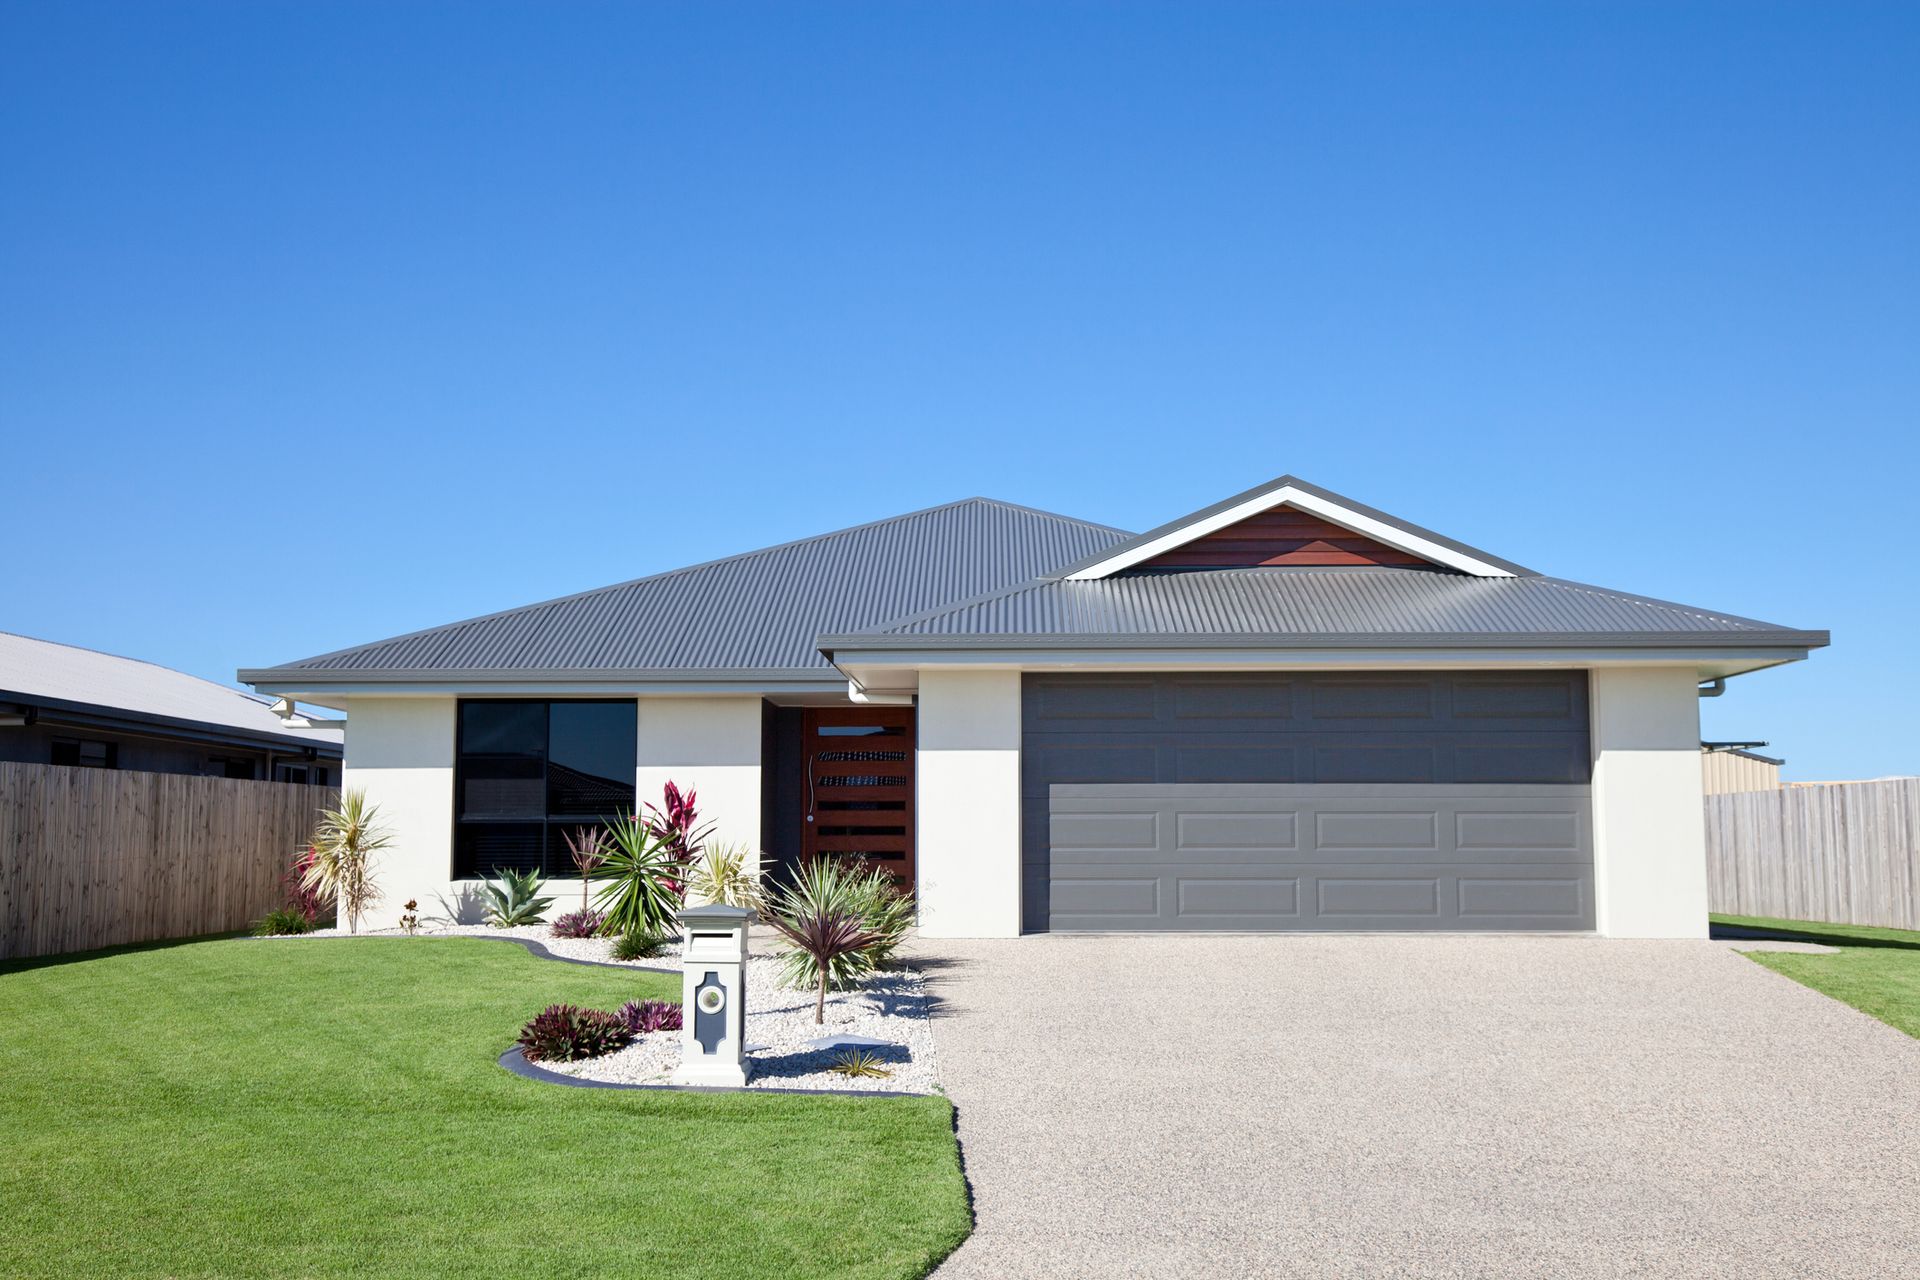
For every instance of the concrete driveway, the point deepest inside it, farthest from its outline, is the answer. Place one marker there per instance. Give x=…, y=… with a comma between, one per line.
x=1392, y=1106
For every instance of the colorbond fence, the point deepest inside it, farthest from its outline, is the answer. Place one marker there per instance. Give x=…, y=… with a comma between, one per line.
x=98, y=857
x=1845, y=853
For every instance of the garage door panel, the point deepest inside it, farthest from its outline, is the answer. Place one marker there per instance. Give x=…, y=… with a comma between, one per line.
x=1233, y=762
x=1198, y=699
x=1319, y=856
x=1521, y=761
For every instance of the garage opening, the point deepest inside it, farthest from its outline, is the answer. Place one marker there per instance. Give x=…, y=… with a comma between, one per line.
x=1307, y=801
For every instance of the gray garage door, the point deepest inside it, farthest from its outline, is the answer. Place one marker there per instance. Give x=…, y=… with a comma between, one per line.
x=1334, y=801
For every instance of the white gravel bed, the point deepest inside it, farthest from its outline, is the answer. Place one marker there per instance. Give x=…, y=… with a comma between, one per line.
x=892, y=1007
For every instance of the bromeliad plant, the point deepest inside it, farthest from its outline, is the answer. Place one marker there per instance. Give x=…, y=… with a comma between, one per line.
x=644, y=887
x=344, y=848
x=585, y=923
x=642, y=1016
x=515, y=900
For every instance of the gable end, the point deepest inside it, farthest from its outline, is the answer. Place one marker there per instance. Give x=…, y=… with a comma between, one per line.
x=1284, y=535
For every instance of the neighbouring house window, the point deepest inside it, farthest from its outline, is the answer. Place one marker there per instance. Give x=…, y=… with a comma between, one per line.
x=528, y=772
x=292, y=773
x=82, y=754
x=230, y=767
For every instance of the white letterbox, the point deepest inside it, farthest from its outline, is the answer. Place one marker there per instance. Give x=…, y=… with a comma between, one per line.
x=713, y=996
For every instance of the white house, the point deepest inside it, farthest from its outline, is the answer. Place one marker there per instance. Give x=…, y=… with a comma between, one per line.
x=1287, y=711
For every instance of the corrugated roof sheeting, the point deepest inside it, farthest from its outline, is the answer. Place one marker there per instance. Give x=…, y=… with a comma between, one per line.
x=762, y=610
x=1298, y=601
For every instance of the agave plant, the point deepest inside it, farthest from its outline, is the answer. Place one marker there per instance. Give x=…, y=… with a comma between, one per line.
x=343, y=850
x=720, y=874
x=515, y=900
x=643, y=888
x=824, y=937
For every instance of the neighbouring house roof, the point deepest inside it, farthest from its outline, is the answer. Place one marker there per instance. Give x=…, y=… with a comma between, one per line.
x=67, y=678
x=1318, y=608
x=755, y=616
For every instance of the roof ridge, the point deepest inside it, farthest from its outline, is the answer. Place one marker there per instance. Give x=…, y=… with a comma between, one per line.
x=690, y=568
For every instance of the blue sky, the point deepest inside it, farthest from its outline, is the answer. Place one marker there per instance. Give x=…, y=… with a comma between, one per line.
x=328, y=322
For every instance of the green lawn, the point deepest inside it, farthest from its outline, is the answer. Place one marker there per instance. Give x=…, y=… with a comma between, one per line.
x=1877, y=970
x=317, y=1108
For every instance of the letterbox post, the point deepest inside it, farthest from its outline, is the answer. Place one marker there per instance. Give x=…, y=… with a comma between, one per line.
x=713, y=996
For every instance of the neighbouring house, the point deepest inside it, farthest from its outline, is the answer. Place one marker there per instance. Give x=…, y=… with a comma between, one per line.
x=61, y=704
x=1287, y=711
x=1730, y=767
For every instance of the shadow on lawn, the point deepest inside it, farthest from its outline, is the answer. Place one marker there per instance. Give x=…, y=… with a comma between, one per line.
x=23, y=963
x=1811, y=934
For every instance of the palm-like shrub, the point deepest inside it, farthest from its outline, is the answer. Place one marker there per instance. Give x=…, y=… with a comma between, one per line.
x=587, y=846
x=720, y=874
x=343, y=850
x=823, y=937
x=643, y=885
x=515, y=899
x=566, y=1033
x=827, y=887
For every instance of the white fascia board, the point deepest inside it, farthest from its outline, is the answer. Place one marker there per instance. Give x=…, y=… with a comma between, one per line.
x=888, y=669
x=1286, y=494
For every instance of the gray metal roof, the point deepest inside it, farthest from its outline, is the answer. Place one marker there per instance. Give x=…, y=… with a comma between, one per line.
x=1313, y=607
x=44, y=673
x=751, y=616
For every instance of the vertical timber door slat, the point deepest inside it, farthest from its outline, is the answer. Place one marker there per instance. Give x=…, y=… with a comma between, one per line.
x=858, y=785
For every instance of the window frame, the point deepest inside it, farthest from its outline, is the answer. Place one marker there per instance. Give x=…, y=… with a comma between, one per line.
x=547, y=821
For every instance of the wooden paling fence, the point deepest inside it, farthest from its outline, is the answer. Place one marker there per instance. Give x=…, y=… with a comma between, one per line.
x=98, y=857
x=1845, y=853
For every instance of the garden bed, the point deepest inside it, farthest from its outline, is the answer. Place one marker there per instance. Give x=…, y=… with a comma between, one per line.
x=890, y=1008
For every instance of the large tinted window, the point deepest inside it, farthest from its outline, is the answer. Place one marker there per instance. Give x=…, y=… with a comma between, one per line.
x=529, y=771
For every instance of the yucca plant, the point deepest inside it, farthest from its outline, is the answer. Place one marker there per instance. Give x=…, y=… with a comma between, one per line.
x=823, y=937
x=858, y=1062
x=720, y=874
x=643, y=888
x=515, y=900
x=343, y=850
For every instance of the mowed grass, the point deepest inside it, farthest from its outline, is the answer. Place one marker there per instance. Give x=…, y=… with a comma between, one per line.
x=1877, y=970
x=334, y=1108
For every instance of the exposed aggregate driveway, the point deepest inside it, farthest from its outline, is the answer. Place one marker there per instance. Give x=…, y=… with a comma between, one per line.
x=1419, y=1106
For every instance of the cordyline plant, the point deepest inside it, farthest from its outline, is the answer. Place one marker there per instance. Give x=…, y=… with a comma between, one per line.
x=676, y=823
x=587, y=846
x=300, y=898
x=825, y=936
x=344, y=846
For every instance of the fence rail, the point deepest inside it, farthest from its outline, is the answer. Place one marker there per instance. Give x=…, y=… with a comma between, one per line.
x=1844, y=853
x=99, y=857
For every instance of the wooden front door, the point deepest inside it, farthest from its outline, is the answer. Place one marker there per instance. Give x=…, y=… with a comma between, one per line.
x=858, y=787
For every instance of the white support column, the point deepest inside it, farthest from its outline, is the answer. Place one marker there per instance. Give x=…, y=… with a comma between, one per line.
x=713, y=746
x=968, y=802
x=1649, y=828
x=400, y=752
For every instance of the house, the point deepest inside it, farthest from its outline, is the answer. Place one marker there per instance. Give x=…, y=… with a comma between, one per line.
x=1285, y=711
x=1729, y=767
x=60, y=704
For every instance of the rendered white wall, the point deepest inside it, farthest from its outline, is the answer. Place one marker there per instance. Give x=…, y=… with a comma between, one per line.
x=1649, y=829
x=713, y=746
x=968, y=835
x=400, y=752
